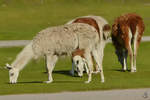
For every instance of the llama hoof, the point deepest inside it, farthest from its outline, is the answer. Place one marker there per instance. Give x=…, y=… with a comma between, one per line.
x=13, y=82
x=48, y=82
x=123, y=70
x=133, y=71
x=86, y=82
x=102, y=81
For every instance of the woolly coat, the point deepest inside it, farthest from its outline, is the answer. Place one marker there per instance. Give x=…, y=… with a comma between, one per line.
x=99, y=20
x=64, y=39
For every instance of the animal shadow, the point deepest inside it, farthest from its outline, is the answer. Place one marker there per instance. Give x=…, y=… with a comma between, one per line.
x=64, y=72
x=120, y=70
x=26, y=82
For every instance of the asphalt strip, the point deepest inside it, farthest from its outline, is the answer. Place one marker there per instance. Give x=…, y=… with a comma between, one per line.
x=127, y=94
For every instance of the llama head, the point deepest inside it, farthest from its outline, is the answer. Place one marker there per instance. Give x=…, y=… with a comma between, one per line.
x=120, y=56
x=13, y=73
x=106, y=31
x=79, y=65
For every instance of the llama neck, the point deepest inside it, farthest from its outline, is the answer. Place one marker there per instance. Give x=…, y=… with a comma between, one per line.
x=23, y=57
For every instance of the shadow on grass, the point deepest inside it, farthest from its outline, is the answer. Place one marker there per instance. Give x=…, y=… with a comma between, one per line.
x=64, y=72
x=42, y=82
x=68, y=81
x=120, y=70
x=26, y=82
x=30, y=82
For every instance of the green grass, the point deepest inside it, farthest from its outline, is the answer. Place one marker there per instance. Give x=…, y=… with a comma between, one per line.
x=31, y=78
x=22, y=19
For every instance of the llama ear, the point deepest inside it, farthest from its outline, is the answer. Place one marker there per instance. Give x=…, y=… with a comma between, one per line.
x=7, y=66
x=86, y=66
x=106, y=31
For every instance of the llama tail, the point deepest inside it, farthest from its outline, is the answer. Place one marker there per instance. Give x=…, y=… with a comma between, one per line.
x=23, y=57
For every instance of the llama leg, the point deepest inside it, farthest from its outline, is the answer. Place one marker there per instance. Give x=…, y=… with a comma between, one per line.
x=136, y=44
x=131, y=58
x=96, y=66
x=125, y=60
x=51, y=61
x=134, y=57
x=129, y=48
x=45, y=64
x=96, y=69
x=90, y=65
x=72, y=70
x=101, y=51
x=98, y=58
x=126, y=55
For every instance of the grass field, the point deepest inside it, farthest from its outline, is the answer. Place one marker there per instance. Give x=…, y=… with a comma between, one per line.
x=22, y=19
x=31, y=78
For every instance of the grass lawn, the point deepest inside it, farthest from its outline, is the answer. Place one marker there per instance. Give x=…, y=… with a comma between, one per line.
x=22, y=19
x=31, y=78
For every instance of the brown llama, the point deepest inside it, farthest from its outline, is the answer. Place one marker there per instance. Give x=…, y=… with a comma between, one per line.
x=127, y=30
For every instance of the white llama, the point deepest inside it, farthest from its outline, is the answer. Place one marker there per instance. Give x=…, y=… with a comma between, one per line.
x=103, y=30
x=54, y=42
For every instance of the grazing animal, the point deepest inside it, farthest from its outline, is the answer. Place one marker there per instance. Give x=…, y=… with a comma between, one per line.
x=54, y=42
x=103, y=29
x=127, y=30
x=79, y=63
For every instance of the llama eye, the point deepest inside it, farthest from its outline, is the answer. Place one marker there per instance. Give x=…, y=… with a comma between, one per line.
x=77, y=61
x=11, y=74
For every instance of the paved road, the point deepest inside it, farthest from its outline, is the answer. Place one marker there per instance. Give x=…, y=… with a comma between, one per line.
x=11, y=43
x=133, y=94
